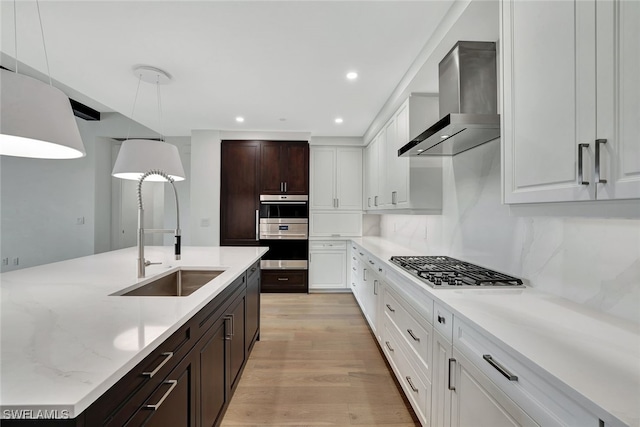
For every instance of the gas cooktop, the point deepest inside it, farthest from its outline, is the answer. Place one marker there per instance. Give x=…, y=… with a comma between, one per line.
x=446, y=272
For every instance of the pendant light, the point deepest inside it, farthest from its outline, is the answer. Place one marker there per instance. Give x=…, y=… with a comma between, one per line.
x=138, y=156
x=36, y=119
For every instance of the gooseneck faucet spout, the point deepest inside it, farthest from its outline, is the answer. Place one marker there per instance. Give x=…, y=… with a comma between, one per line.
x=142, y=263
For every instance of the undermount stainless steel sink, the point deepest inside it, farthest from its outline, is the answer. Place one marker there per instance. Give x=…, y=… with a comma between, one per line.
x=181, y=283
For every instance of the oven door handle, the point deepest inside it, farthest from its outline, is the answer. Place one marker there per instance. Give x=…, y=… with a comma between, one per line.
x=257, y=225
x=285, y=234
x=283, y=203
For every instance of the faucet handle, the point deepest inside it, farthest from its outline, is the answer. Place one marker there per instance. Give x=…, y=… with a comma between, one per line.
x=148, y=263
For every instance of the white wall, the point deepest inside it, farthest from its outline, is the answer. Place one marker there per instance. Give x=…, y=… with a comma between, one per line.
x=585, y=252
x=41, y=200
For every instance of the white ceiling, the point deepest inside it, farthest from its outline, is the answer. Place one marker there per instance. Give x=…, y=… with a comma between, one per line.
x=263, y=60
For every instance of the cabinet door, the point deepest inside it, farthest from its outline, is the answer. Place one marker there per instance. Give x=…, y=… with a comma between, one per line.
x=213, y=374
x=476, y=401
x=441, y=395
x=349, y=178
x=371, y=175
x=296, y=168
x=400, y=165
x=619, y=99
x=323, y=178
x=239, y=193
x=173, y=404
x=383, y=195
x=549, y=100
x=271, y=166
x=327, y=269
x=236, y=339
x=252, y=330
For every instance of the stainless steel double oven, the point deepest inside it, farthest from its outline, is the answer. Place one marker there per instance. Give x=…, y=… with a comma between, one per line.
x=284, y=228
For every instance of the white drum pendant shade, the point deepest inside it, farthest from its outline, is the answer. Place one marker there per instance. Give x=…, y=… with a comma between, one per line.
x=138, y=156
x=36, y=120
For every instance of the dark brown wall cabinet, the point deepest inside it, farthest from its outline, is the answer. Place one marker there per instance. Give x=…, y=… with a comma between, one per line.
x=189, y=379
x=284, y=168
x=251, y=168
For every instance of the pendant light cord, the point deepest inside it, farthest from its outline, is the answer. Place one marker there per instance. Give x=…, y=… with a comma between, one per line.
x=15, y=33
x=160, y=121
x=135, y=99
x=46, y=57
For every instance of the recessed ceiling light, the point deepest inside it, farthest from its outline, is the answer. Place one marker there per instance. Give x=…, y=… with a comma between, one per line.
x=239, y=119
x=339, y=120
x=352, y=75
x=420, y=150
x=444, y=136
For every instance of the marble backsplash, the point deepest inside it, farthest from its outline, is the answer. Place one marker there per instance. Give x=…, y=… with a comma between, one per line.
x=592, y=261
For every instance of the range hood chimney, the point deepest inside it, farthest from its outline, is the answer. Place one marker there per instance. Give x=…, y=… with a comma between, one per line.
x=468, y=103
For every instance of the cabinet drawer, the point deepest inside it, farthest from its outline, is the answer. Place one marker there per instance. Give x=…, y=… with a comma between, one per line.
x=327, y=245
x=443, y=321
x=415, y=331
x=377, y=266
x=284, y=280
x=546, y=404
x=415, y=384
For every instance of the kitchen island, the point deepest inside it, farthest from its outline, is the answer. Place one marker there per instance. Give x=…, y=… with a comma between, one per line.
x=67, y=338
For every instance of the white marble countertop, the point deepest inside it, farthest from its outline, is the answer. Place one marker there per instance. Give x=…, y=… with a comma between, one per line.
x=592, y=357
x=65, y=340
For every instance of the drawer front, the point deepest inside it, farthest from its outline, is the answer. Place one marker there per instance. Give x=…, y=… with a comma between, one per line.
x=443, y=321
x=284, y=281
x=414, y=330
x=328, y=245
x=414, y=383
x=546, y=404
x=377, y=266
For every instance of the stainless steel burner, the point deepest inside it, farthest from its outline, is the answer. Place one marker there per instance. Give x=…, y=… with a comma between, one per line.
x=443, y=271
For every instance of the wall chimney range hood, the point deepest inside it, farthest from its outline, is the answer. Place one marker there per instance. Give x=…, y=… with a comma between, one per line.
x=468, y=102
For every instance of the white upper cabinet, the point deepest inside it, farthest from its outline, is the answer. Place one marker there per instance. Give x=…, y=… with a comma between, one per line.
x=618, y=107
x=404, y=183
x=336, y=178
x=567, y=85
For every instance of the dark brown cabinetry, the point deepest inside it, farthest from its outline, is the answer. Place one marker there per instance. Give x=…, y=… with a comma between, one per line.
x=239, y=193
x=284, y=281
x=252, y=319
x=284, y=168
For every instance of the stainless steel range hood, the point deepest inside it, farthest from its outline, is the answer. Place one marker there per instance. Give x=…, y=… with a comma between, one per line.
x=468, y=103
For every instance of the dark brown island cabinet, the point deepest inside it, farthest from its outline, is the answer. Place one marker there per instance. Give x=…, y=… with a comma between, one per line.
x=188, y=381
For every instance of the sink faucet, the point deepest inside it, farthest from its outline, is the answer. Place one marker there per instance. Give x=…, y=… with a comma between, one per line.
x=142, y=263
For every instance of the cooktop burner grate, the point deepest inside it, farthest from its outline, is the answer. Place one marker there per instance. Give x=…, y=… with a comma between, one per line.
x=446, y=271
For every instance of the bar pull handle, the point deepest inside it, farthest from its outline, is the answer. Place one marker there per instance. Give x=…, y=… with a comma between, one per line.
x=504, y=371
x=371, y=262
x=337, y=203
x=391, y=309
x=598, y=143
x=389, y=346
x=282, y=187
x=257, y=224
x=155, y=407
x=415, y=338
x=394, y=197
x=452, y=367
x=285, y=186
x=369, y=202
x=415, y=390
x=229, y=336
x=375, y=287
x=581, y=180
x=441, y=319
x=283, y=279
x=375, y=201
x=168, y=355
x=364, y=274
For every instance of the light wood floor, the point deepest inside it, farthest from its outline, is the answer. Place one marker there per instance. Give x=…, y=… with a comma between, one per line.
x=316, y=363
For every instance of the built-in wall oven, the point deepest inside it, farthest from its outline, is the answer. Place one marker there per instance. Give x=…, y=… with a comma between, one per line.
x=284, y=228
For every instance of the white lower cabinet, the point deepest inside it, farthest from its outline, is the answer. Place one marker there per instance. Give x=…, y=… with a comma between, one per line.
x=478, y=402
x=452, y=372
x=327, y=265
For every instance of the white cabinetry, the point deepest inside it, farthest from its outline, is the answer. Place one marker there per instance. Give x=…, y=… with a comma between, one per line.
x=404, y=183
x=570, y=82
x=328, y=265
x=336, y=178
